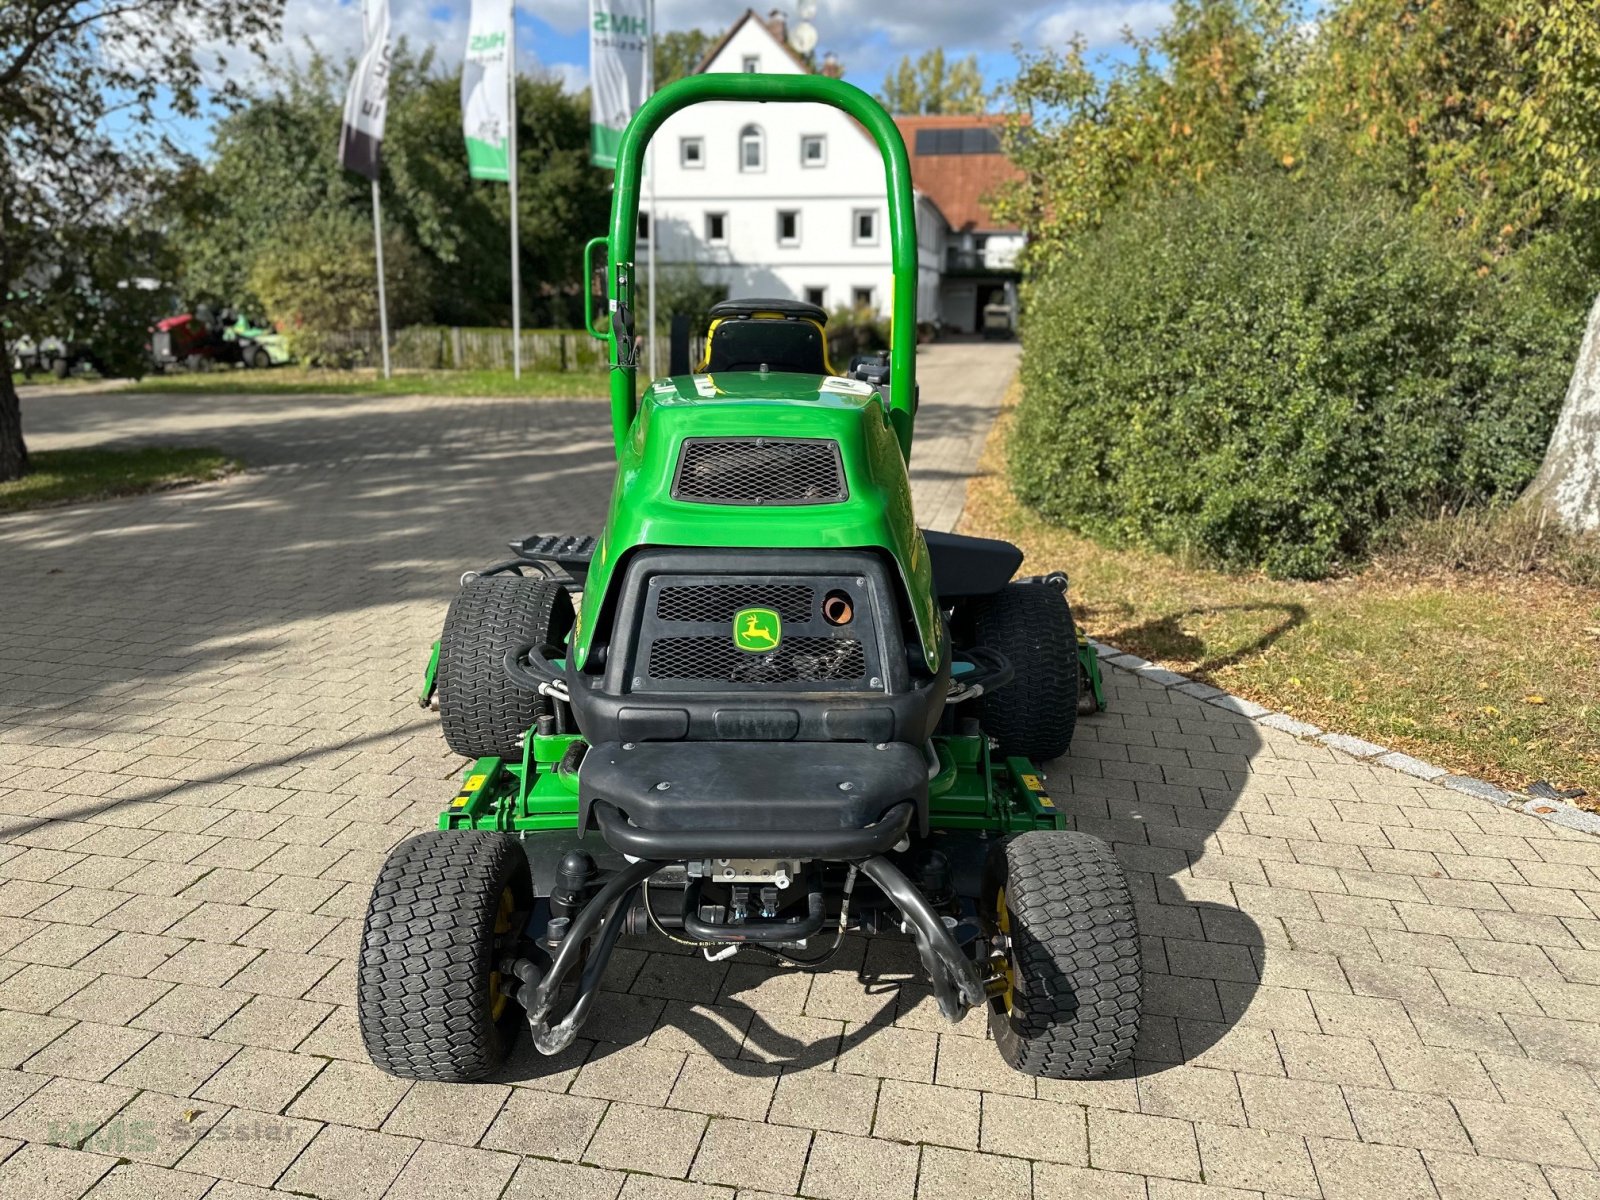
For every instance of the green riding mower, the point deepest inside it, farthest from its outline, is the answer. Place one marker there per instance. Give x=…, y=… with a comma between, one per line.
x=759, y=710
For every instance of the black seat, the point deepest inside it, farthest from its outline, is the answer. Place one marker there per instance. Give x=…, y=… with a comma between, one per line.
x=793, y=309
x=780, y=335
x=969, y=566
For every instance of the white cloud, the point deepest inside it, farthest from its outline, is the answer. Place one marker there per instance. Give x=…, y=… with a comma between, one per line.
x=574, y=76
x=855, y=31
x=849, y=27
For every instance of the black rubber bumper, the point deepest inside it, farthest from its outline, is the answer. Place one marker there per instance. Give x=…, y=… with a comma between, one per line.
x=679, y=845
x=681, y=800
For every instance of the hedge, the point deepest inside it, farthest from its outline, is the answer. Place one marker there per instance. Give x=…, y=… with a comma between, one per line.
x=1263, y=372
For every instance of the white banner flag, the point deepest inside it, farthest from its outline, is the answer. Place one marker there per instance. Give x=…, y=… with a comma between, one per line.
x=484, y=89
x=619, y=43
x=361, y=133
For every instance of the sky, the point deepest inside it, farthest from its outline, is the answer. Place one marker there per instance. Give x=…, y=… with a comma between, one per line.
x=869, y=38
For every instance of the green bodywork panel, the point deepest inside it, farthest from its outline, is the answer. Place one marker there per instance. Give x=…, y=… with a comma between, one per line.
x=430, y=678
x=1089, y=669
x=974, y=790
x=877, y=514
x=873, y=429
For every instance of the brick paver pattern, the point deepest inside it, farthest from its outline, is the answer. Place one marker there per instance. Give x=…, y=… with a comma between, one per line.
x=1358, y=985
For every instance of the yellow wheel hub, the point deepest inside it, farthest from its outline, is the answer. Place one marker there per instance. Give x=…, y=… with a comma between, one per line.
x=498, y=1000
x=1002, y=921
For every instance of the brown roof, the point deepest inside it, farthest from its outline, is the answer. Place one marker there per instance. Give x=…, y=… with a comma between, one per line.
x=959, y=183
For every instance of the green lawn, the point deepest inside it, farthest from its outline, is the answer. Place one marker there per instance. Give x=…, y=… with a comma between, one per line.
x=74, y=476
x=1496, y=676
x=291, y=381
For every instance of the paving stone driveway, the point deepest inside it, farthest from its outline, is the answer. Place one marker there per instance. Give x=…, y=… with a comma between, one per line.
x=1359, y=985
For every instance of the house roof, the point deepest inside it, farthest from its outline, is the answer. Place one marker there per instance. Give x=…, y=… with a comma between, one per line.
x=959, y=183
x=728, y=36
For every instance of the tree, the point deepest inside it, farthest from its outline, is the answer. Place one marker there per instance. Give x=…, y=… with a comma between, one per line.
x=82, y=83
x=929, y=86
x=272, y=172
x=679, y=51
x=320, y=285
x=1215, y=85
x=1568, y=483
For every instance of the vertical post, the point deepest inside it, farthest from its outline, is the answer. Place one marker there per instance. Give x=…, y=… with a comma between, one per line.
x=516, y=249
x=650, y=68
x=383, y=300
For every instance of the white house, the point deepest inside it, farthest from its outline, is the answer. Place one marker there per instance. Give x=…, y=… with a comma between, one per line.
x=781, y=200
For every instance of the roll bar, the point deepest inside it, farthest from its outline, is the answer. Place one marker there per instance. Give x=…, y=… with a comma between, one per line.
x=697, y=89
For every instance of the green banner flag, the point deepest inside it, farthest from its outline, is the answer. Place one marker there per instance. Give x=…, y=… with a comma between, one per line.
x=485, y=90
x=619, y=48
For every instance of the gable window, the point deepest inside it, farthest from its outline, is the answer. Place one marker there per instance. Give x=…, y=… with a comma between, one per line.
x=788, y=227
x=752, y=149
x=817, y=296
x=813, y=150
x=717, y=229
x=864, y=226
x=752, y=64
x=692, y=152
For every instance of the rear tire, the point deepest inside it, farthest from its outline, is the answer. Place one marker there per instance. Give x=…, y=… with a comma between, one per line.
x=1073, y=954
x=260, y=359
x=1034, y=715
x=428, y=996
x=482, y=713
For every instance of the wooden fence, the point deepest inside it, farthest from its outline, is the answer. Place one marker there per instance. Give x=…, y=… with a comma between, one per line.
x=450, y=348
x=453, y=348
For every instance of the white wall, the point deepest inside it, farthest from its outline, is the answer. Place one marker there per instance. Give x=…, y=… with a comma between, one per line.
x=752, y=262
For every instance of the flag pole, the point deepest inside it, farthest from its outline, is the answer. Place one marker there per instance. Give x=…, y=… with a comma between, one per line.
x=650, y=67
x=383, y=302
x=511, y=162
x=377, y=236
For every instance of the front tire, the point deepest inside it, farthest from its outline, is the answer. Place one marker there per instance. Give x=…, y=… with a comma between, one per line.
x=1058, y=907
x=1035, y=714
x=482, y=712
x=429, y=998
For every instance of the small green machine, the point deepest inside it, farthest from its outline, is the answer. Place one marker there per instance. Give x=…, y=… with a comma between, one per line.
x=758, y=711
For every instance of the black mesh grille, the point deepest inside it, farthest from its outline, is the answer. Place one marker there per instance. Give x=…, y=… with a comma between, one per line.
x=801, y=659
x=760, y=471
x=720, y=601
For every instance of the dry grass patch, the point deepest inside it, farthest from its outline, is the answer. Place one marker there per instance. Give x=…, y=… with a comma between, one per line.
x=1493, y=673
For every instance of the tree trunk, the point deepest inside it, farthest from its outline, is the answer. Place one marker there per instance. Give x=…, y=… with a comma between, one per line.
x=13, y=450
x=1568, y=484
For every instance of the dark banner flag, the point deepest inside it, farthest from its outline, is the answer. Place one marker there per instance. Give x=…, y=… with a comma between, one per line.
x=361, y=133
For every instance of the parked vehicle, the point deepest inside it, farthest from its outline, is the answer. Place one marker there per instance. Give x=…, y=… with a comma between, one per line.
x=195, y=341
x=53, y=356
x=260, y=345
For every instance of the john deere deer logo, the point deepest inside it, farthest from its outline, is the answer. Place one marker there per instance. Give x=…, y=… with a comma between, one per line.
x=757, y=629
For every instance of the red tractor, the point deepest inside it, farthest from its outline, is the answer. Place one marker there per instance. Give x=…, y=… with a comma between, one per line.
x=193, y=340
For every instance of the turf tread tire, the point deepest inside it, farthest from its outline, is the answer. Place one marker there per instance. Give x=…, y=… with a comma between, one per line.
x=1075, y=955
x=427, y=948
x=482, y=712
x=1034, y=715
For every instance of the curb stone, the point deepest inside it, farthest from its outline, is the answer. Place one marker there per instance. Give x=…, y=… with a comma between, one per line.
x=1568, y=816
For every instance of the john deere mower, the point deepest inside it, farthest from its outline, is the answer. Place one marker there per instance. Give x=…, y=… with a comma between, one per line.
x=756, y=712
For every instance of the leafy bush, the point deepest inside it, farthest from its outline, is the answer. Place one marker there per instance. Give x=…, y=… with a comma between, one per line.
x=324, y=283
x=1264, y=370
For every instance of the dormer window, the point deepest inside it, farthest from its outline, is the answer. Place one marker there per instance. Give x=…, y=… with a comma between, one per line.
x=752, y=149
